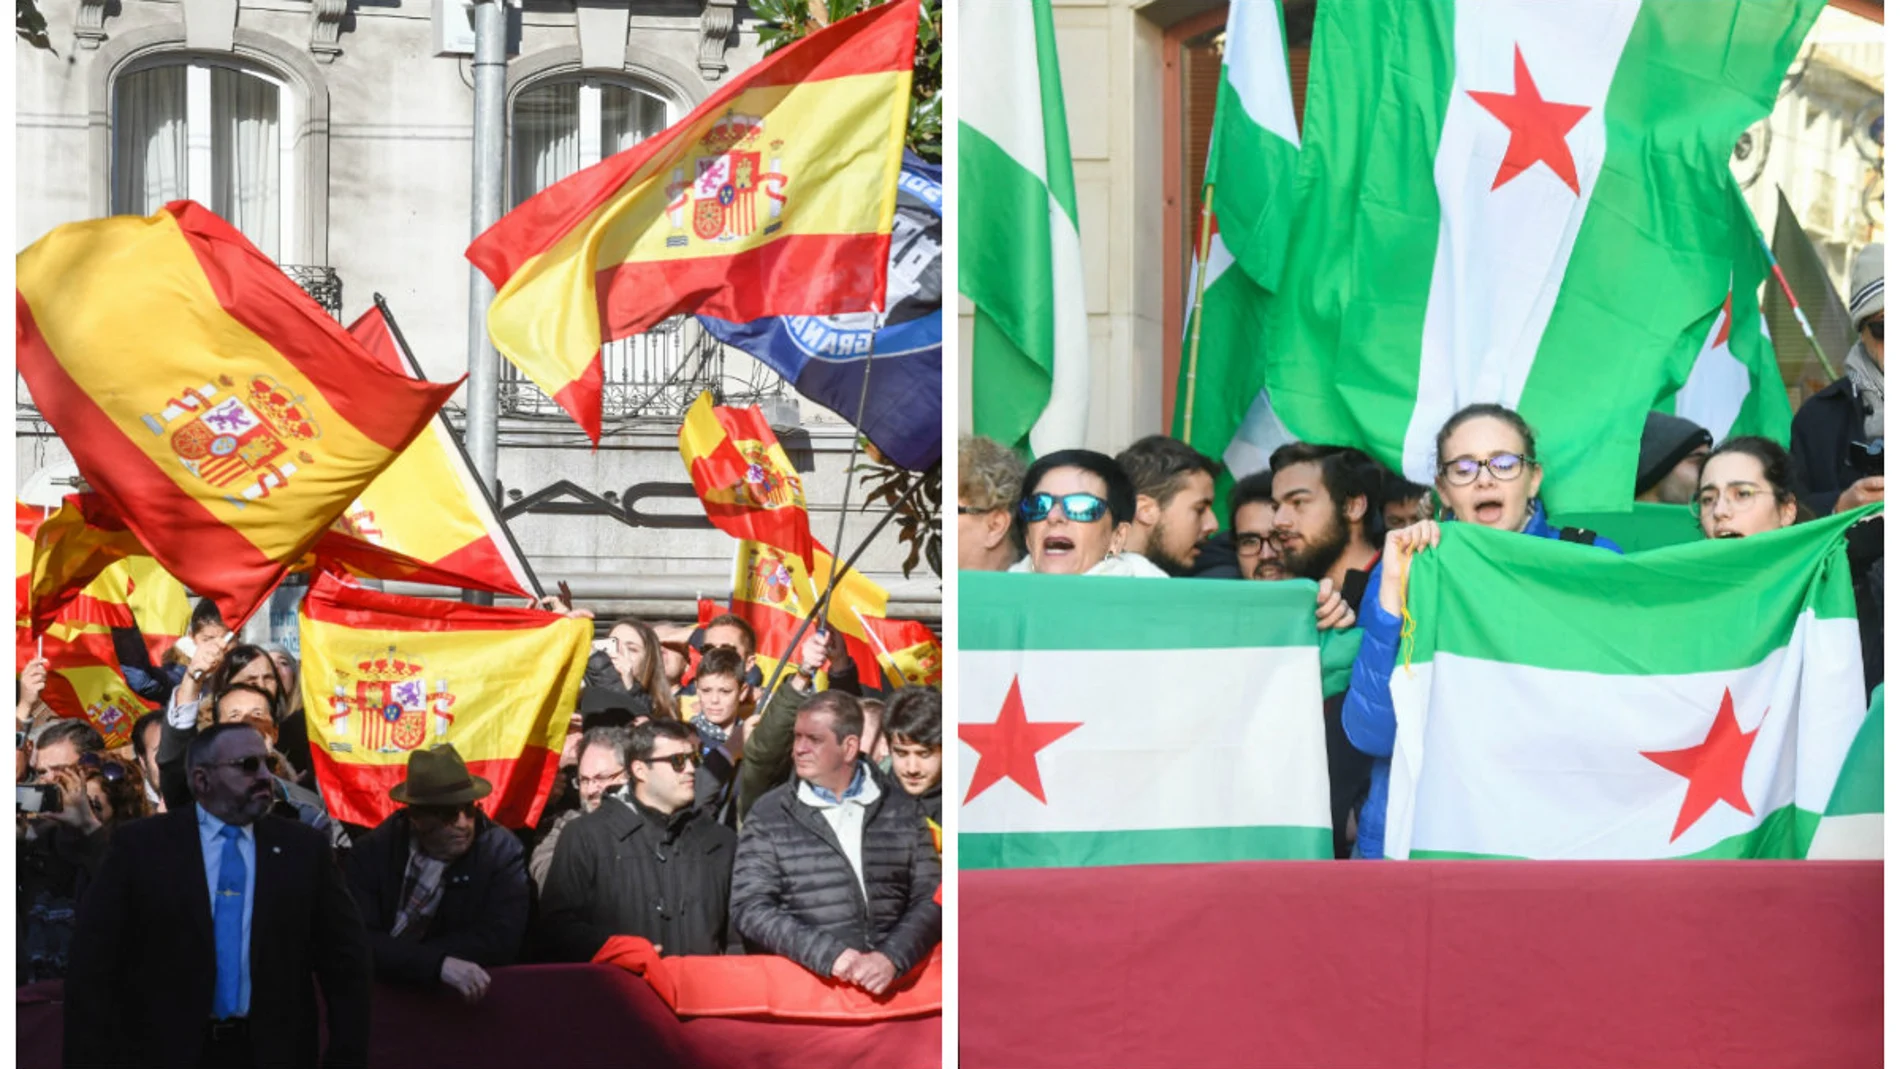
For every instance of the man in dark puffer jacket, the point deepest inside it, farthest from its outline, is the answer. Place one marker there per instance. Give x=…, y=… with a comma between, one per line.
x=836, y=870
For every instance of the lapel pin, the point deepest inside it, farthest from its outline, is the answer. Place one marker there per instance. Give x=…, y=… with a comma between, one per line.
x=276, y=849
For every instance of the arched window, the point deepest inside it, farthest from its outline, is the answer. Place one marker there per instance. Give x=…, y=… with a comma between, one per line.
x=561, y=125
x=211, y=131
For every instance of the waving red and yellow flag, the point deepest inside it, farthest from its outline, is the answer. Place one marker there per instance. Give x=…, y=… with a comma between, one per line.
x=909, y=652
x=772, y=591
x=774, y=197
x=83, y=679
x=249, y=419
x=72, y=548
x=385, y=675
x=427, y=506
x=745, y=481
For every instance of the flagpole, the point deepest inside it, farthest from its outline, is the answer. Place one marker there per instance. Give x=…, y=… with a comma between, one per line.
x=488, y=497
x=887, y=662
x=837, y=570
x=844, y=503
x=1799, y=316
x=1200, y=288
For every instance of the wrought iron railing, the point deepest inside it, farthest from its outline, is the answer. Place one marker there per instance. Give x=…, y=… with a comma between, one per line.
x=656, y=374
x=321, y=283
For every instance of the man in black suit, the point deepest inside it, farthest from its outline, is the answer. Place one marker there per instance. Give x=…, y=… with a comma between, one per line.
x=165, y=972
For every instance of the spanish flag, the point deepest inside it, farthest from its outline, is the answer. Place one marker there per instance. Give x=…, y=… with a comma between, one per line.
x=909, y=652
x=774, y=197
x=160, y=605
x=428, y=506
x=205, y=396
x=772, y=591
x=385, y=675
x=83, y=679
x=71, y=549
x=744, y=479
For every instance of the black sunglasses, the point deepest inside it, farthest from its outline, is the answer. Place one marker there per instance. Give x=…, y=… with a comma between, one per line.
x=247, y=765
x=1878, y=328
x=110, y=771
x=679, y=761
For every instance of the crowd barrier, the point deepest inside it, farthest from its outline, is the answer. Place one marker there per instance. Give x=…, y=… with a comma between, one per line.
x=568, y=1016
x=1423, y=964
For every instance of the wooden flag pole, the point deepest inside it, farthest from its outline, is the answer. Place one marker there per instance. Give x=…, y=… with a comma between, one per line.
x=1200, y=288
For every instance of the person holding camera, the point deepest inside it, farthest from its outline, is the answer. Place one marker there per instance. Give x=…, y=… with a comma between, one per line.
x=1839, y=436
x=59, y=843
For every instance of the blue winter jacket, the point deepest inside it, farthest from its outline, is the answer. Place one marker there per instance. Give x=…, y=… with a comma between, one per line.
x=1368, y=717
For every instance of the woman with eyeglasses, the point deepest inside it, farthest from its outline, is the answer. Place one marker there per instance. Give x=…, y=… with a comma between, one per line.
x=1073, y=517
x=1487, y=475
x=1748, y=486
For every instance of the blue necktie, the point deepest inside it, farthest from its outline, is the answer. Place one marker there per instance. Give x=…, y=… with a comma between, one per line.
x=227, y=917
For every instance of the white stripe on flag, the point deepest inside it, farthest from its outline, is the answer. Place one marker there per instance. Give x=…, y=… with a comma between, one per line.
x=1256, y=66
x=1502, y=253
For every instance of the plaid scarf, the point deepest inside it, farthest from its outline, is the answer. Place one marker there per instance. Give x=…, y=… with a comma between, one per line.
x=711, y=734
x=421, y=893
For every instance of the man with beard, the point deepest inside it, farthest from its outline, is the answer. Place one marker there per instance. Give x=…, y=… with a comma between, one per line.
x=1330, y=533
x=171, y=918
x=1174, y=501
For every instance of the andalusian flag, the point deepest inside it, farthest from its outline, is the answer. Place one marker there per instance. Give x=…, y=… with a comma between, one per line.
x=428, y=505
x=909, y=652
x=1519, y=202
x=83, y=678
x=1735, y=385
x=774, y=197
x=1114, y=722
x=253, y=419
x=1697, y=701
x=772, y=591
x=744, y=479
x=1020, y=242
x=385, y=675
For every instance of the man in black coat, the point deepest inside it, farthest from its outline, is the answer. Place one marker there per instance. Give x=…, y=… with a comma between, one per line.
x=1838, y=439
x=443, y=890
x=837, y=870
x=647, y=862
x=165, y=973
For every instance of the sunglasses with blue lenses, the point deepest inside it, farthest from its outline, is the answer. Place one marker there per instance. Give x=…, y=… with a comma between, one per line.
x=1079, y=508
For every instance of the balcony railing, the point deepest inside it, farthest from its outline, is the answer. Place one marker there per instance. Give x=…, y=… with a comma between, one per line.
x=321, y=283
x=656, y=374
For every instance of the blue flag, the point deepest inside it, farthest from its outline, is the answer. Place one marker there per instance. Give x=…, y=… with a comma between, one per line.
x=824, y=357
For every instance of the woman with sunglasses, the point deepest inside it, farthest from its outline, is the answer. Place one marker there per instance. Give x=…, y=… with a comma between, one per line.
x=1487, y=475
x=1073, y=517
x=114, y=790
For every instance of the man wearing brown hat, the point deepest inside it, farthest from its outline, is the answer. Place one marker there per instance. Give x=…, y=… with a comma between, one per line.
x=443, y=890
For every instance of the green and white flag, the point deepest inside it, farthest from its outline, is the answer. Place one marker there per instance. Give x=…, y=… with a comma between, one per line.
x=1252, y=159
x=1516, y=201
x=1019, y=247
x=1735, y=385
x=1704, y=700
x=1112, y=721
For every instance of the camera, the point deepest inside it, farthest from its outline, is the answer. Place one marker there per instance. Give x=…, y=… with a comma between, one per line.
x=37, y=798
x=1868, y=459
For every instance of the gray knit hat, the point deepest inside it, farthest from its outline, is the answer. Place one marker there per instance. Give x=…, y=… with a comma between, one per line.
x=1868, y=284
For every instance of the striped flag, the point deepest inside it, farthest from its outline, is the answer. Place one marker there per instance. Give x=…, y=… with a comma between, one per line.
x=385, y=675
x=1021, y=245
x=909, y=652
x=1626, y=726
x=773, y=197
x=1103, y=725
x=772, y=591
x=1516, y=202
x=72, y=548
x=744, y=479
x=254, y=419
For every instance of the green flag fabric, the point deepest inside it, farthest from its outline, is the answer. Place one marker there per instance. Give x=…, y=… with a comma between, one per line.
x=1019, y=246
x=1517, y=202
x=1116, y=721
x=1702, y=700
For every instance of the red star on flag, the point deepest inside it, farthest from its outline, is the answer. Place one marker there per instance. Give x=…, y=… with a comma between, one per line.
x=1538, y=127
x=1713, y=768
x=1007, y=749
x=1728, y=315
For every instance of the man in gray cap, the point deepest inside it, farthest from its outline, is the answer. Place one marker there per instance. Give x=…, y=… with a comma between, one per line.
x=1670, y=461
x=1839, y=434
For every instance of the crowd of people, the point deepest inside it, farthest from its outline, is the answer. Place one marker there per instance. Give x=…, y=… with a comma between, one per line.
x=691, y=808
x=1334, y=515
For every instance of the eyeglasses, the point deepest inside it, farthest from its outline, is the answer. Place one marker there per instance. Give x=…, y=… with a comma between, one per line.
x=1249, y=543
x=1464, y=471
x=1876, y=327
x=679, y=761
x=246, y=765
x=447, y=814
x=972, y=510
x=1079, y=508
x=1740, y=497
x=110, y=771
x=605, y=780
